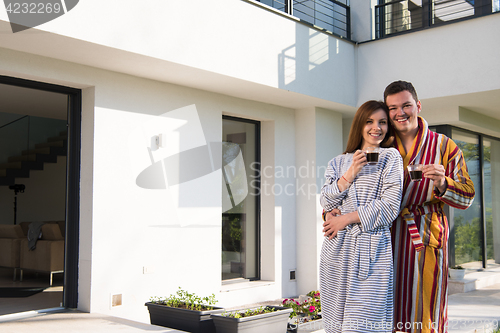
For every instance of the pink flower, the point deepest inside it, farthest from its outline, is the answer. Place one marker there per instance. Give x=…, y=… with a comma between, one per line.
x=312, y=308
x=316, y=294
x=297, y=303
x=285, y=300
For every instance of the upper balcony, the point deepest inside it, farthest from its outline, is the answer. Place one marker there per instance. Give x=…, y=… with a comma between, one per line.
x=333, y=16
x=394, y=17
x=390, y=17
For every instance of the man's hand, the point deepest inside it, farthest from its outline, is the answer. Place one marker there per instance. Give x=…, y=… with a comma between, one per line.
x=332, y=224
x=436, y=173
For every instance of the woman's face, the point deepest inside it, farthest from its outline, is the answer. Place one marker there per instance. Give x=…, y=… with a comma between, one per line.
x=375, y=129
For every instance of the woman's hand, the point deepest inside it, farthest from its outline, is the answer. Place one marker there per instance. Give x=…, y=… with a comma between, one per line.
x=358, y=162
x=336, y=222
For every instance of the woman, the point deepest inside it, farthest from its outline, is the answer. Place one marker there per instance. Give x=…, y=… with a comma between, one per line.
x=356, y=280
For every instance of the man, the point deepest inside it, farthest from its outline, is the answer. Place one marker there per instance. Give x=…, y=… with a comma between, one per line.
x=420, y=234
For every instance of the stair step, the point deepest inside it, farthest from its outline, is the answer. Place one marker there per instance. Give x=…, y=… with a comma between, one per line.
x=18, y=173
x=13, y=165
x=31, y=157
x=6, y=181
x=32, y=165
x=45, y=150
x=57, y=138
x=19, y=168
x=52, y=151
x=50, y=144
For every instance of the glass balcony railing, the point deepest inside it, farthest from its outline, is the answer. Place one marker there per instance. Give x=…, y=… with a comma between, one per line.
x=331, y=15
x=25, y=132
x=397, y=16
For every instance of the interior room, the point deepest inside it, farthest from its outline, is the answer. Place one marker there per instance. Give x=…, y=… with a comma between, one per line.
x=33, y=149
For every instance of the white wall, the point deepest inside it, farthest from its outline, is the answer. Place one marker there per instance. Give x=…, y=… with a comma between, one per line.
x=307, y=230
x=329, y=143
x=318, y=140
x=174, y=232
x=124, y=228
x=233, y=39
x=363, y=20
x=44, y=198
x=450, y=60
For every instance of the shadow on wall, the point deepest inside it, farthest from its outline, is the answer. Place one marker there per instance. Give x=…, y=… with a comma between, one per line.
x=182, y=161
x=303, y=66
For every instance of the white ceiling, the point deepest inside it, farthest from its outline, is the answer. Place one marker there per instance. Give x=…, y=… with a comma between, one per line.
x=32, y=102
x=484, y=102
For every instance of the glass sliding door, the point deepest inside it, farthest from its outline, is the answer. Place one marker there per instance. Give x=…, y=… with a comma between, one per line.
x=240, y=199
x=491, y=163
x=466, y=236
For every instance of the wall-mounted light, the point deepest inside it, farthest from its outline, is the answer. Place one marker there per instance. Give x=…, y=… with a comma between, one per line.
x=160, y=141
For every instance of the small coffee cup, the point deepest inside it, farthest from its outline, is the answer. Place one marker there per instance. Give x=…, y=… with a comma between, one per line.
x=415, y=172
x=372, y=155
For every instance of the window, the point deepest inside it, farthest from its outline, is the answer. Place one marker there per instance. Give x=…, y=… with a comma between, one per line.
x=240, y=199
x=491, y=163
x=393, y=16
x=475, y=232
x=278, y=4
x=466, y=237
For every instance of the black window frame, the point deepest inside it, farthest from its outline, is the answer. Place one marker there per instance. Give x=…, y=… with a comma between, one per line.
x=258, y=181
x=72, y=236
x=481, y=8
x=447, y=130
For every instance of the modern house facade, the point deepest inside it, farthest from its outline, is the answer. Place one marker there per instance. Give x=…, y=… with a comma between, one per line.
x=199, y=133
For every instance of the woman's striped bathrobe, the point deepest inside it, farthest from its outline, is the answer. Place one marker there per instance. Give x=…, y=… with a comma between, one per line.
x=356, y=271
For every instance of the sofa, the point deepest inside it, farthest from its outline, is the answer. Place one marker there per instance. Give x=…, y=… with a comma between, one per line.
x=48, y=256
x=10, y=246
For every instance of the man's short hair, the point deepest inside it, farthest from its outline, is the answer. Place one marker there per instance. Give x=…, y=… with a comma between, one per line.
x=399, y=86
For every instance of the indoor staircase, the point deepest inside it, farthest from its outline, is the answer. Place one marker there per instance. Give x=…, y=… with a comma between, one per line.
x=33, y=159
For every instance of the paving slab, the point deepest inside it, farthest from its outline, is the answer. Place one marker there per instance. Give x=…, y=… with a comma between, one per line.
x=78, y=322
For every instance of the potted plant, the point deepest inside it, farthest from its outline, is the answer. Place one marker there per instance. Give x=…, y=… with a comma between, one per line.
x=457, y=272
x=263, y=319
x=184, y=311
x=306, y=314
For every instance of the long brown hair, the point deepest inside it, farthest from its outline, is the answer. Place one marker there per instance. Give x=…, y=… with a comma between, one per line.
x=360, y=118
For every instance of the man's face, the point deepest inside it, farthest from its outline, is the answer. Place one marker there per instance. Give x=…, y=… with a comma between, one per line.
x=403, y=111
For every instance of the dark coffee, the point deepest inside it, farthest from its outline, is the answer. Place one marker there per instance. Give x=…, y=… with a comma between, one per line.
x=372, y=158
x=416, y=176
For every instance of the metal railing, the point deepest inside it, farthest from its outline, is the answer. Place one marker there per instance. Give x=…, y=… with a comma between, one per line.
x=331, y=15
x=402, y=15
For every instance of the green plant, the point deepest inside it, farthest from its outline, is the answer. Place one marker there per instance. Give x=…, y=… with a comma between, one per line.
x=249, y=312
x=309, y=309
x=457, y=267
x=183, y=299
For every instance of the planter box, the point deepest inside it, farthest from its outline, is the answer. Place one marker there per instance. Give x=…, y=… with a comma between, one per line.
x=308, y=327
x=272, y=322
x=182, y=319
x=457, y=274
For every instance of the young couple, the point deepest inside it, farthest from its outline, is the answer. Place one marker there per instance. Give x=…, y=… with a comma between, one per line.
x=374, y=278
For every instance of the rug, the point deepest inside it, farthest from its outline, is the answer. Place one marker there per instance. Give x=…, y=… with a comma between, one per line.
x=19, y=292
